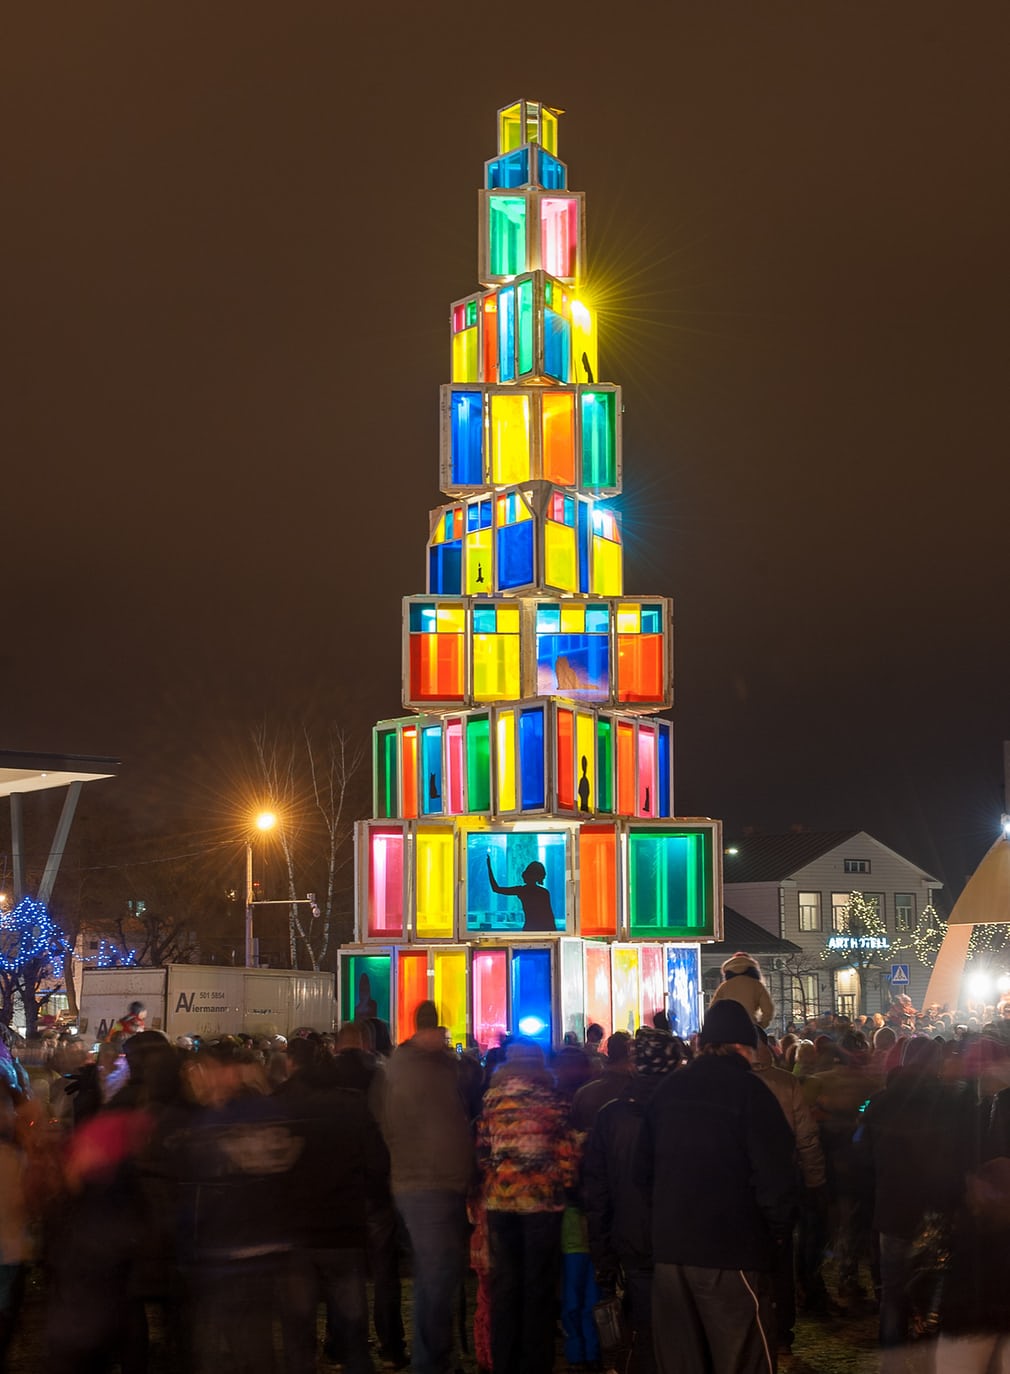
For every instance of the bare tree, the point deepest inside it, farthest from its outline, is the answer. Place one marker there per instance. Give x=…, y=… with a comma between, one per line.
x=309, y=775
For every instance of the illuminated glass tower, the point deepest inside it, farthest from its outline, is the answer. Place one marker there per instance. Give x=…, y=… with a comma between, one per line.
x=524, y=867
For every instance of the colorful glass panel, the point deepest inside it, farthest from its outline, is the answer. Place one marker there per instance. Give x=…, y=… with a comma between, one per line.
x=505, y=755
x=566, y=759
x=670, y=887
x=507, y=235
x=450, y=992
x=598, y=880
x=559, y=236
x=531, y=758
x=478, y=763
x=431, y=770
x=510, y=439
x=435, y=883
x=599, y=439
x=411, y=990
x=627, y=989
x=489, y=975
x=408, y=745
x=385, y=882
x=558, y=437
x=598, y=986
x=467, y=438
x=532, y=1012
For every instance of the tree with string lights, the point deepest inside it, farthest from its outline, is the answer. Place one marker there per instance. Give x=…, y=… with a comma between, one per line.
x=31, y=946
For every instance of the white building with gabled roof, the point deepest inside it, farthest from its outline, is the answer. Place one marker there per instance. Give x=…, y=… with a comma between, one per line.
x=799, y=887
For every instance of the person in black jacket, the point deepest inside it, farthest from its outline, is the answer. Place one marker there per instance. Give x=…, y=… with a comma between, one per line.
x=717, y=1154
x=618, y=1211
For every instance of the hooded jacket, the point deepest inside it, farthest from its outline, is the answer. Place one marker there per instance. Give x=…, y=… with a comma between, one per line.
x=742, y=983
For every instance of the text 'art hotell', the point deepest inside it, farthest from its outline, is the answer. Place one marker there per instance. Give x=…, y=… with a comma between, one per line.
x=524, y=867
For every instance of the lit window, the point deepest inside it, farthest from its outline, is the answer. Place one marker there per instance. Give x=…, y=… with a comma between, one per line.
x=840, y=911
x=810, y=910
x=904, y=910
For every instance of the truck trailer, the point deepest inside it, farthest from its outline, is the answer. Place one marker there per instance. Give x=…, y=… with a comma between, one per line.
x=208, y=1000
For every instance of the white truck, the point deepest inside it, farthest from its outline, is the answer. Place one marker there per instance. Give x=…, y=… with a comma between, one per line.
x=208, y=1000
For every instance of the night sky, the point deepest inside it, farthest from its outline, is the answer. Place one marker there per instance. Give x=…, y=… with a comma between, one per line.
x=230, y=237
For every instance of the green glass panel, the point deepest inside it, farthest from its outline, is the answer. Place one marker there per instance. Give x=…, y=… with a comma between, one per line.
x=478, y=764
x=364, y=976
x=525, y=293
x=386, y=773
x=670, y=891
x=599, y=439
x=604, y=766
x=507, y=232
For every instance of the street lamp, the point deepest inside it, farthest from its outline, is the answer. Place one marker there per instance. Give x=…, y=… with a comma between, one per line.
x=265, y=821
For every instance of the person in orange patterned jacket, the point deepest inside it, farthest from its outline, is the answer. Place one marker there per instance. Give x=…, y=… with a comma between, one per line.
x=530, y=1157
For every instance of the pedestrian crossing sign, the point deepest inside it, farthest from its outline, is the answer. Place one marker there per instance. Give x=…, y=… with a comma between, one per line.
x=899, y=974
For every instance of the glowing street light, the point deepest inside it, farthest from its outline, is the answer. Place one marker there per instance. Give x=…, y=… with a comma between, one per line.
x=265, y=821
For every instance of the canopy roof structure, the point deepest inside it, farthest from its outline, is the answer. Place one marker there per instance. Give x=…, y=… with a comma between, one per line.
x=38, y=772
x=21, y=773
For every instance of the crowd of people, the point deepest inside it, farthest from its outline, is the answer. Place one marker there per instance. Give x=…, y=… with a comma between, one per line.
x=654, y=1203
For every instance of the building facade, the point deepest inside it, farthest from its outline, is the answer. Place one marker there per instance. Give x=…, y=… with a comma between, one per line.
x=851, y=906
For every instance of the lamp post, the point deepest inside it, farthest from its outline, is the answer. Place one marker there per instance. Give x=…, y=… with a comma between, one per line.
x=265, y=821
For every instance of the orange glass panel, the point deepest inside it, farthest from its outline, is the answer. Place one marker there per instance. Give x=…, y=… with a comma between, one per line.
x=436, y=667
x=597, y=880
x=410, y=771
x=411, y=991
x=558, y=422
x=640, y=667
x=566, y=760
x=625, y=769
x=598, y=1006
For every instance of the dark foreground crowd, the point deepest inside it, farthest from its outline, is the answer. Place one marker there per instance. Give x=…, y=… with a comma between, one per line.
x=671, y=1203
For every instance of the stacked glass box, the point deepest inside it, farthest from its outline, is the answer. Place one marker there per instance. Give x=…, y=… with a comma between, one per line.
x=524, y=866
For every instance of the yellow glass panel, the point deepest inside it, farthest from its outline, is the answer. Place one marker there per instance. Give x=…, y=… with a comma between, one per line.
x=585, y=760
x=435, y=883
x=506, y=760
x=573, y=619
x=510, y=128
x=584, y=340
x=626, y=988
x=450, y=619
x=450, y=992
x=629, y=618
x=560, y=559
x=510, y=439
x=608, y=571
x=507, y=620
x=495, y=667
x=465, y=366
x=479, y=576
x=549, y=129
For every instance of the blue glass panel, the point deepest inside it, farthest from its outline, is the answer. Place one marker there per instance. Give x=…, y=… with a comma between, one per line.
x=530, y=873
x=583, y=543
x=507, y=334
x=598, y=619
x=531, y=759
x=486, y=513
x=683, y=982
x=467, y=438
x=569, y=509
x=445, y=569
x=431, y=764
x=509, y=171
x=652, y=620
x=422, y=617
x=553, y=175
x=531, y=995
x=548, y=618
x=515, y=555
x=557, y=345
x=484, y=620
x=473, y=517
x=664, y=768
x=574, y=665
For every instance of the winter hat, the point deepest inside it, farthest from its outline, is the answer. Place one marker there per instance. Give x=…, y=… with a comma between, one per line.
x=741, y=964
x=656, y=1051
x=426, y=1016
x=727, y=1023
x=524, y=1054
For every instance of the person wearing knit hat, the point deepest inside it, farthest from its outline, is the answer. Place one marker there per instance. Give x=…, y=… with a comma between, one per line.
x=618, y=1209
x=717, y=1155
x=742, y=982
